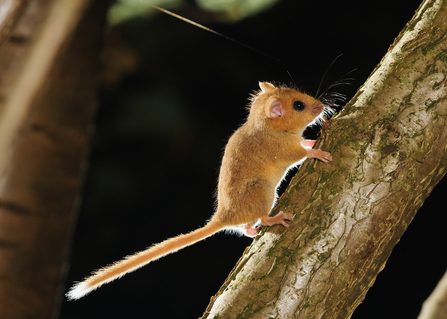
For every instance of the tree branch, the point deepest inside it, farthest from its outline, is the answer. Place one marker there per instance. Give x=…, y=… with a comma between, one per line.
x=62, y=18
x=10, y=13
x=44, y=144
x=389, y=150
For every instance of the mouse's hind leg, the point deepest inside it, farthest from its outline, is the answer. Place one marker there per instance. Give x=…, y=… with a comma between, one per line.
x=251, y=231
x=280, y=218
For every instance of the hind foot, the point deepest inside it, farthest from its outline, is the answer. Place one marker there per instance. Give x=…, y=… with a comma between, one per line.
x=280, y=218
x=250, y=231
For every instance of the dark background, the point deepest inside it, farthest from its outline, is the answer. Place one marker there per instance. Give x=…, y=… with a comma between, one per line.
x=159, y=138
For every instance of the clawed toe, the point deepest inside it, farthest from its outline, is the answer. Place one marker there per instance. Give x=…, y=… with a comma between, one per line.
x=285, y=224
x=326, y=157
x=280, y=218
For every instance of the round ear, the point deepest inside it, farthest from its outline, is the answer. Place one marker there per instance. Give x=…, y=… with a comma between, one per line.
x=274, y=107
x=266, y=86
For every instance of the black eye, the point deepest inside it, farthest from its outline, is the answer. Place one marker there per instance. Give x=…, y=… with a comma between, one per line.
x=298, y=106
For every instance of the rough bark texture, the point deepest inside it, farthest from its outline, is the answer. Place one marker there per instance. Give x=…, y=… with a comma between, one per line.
x=47, y=146
x=390, y=150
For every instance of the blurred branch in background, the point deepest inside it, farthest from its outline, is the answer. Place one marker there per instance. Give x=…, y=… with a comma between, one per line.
x=62, y=18
x=48, y=82
x=10, y=13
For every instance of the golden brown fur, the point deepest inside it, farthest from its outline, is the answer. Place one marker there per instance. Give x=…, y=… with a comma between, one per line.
x=255, y=160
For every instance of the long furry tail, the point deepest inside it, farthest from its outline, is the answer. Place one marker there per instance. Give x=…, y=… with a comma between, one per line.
x=133, y=262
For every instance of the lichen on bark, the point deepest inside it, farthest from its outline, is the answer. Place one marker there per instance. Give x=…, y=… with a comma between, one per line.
x=389, y=147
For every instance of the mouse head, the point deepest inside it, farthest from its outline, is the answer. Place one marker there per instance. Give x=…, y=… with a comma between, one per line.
x=284, y=108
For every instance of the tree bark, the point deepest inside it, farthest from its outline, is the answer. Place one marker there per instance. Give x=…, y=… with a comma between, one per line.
x=62, y=17
x=11, y=11
x=44, y=140
x=17, y=44
x=389, y=146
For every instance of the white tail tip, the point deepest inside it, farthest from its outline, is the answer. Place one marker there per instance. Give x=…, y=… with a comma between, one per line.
x=78, y=291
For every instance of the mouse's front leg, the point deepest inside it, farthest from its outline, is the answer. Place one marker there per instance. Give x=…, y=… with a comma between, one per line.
x=308, y=143
x=319, y=154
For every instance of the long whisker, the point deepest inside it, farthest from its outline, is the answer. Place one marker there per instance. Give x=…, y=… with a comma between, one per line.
x=224, y=36
x=341, y=81
x=325, y=73
x=215, y=32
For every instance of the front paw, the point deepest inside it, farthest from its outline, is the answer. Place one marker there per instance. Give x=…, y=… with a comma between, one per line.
x=321, y=155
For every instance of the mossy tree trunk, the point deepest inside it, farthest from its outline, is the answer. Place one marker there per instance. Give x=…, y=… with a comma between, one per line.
x=389, y=146
x=48, y=79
